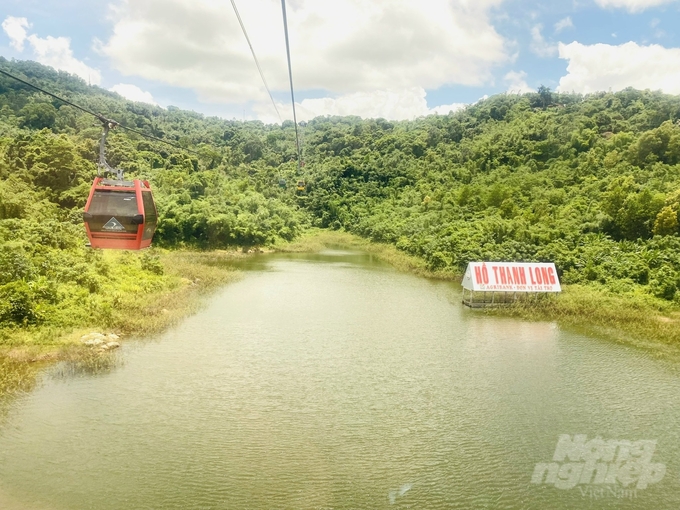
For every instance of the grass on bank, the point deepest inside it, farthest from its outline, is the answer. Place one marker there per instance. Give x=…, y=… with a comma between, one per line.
x=136, y=294
x=635, y=319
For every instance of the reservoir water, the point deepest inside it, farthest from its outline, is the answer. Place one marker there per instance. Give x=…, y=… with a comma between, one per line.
x=331, y=381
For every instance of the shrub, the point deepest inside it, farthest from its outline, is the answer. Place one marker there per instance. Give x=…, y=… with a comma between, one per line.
x=151, y=262
x=17, y=304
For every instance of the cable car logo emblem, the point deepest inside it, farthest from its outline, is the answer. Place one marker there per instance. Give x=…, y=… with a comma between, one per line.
x=114, y=225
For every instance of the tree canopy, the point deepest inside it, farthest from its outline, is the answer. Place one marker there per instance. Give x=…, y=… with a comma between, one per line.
x=589, y=182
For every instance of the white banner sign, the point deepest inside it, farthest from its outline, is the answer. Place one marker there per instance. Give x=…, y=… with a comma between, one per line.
x=511, y=277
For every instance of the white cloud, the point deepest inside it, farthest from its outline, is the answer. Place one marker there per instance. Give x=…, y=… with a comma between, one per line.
x=447, y=108
x=56, y=52
x=391, y=104
x=516, y=81
x=133, y=93
x=539, y=45
x=600, y=67
x=633, y=5
x=563, y=24
x=51, y=51
x=15, y=28
x=345, y=48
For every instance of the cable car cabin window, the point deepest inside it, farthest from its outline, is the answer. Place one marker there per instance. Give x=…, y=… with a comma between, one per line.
x=150, y=215
x=121, y=203
x=113, y=211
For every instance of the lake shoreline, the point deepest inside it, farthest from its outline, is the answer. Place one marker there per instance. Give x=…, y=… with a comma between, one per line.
x=644, y=322
x=189, y=277
x=639, y=321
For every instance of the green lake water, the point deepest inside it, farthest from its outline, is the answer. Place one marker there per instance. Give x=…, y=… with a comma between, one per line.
x=331, y=381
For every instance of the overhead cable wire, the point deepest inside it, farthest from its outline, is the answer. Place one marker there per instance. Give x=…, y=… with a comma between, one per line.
x=98, y=115
x=257, y=63
x=292, y=92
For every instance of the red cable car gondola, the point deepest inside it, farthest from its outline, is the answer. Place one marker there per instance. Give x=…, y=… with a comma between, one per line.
x=119, y=214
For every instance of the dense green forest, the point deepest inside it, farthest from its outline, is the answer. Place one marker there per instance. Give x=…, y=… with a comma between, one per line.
x=589, y=182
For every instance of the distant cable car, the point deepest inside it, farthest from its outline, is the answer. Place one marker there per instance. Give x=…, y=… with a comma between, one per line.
x=301, y=185
x=282, y=183
x=119, y=214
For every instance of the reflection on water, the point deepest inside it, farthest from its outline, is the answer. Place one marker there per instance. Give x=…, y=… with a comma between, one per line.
x=83, y=363
x=332, y=381
x=16, y=379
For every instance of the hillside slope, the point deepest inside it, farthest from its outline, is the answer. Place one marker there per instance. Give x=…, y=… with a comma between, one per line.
x=591, y=183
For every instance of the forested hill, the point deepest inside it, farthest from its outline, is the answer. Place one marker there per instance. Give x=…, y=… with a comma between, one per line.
x=592, y=183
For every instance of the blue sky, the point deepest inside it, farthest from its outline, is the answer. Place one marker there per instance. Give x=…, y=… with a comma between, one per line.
x=390, y=58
